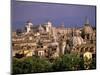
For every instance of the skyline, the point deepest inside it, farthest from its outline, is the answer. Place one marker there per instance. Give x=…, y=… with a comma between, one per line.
x=39, y=13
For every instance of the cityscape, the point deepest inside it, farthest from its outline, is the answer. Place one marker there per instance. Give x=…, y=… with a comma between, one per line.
x=47, y=47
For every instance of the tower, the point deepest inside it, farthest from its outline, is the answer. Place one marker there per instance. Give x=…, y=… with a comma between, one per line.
x=48, y=26
x=28, y=26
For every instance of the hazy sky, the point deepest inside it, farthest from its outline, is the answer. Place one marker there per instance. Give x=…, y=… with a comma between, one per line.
x=39, y=13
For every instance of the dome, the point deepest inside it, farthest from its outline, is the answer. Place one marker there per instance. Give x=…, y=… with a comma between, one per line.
x=87, y=29
x=77, y=40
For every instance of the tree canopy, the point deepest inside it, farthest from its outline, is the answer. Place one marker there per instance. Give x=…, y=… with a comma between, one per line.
x=34, y=64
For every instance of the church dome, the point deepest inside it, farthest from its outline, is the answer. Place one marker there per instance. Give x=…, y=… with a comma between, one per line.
x=77, y=40
x=87, y=29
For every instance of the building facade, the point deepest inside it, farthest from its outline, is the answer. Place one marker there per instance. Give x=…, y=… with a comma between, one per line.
x=45, y=40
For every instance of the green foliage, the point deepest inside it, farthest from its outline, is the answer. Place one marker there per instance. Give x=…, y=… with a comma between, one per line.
x=30, y=65
x=35, y=64
x=67, y=62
